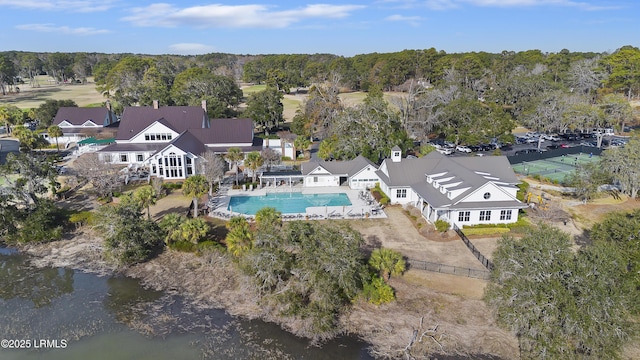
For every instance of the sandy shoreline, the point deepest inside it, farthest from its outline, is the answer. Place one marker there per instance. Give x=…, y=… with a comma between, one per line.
x=444, y=323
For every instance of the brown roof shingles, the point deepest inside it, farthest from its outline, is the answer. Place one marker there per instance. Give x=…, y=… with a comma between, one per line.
x=77, y=116
x=178, y=118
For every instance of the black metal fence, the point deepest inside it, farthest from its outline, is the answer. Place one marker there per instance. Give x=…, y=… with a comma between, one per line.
x=448, y=269
x=516, y=159
x=485, y=262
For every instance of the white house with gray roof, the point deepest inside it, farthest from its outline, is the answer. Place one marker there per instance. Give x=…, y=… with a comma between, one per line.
x=459, y=190
x=171, y=140
x=359, y=173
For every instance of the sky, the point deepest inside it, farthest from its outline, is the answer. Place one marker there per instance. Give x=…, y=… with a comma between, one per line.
x=347, y=27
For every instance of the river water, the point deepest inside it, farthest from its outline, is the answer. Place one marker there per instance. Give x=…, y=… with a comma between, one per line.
x=66, y=314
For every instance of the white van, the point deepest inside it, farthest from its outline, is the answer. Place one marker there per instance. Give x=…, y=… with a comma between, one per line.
x=604, y=132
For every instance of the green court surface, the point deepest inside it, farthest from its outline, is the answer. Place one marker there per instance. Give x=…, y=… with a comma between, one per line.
x=556, y=168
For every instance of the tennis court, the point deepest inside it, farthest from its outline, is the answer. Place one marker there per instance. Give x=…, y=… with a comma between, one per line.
x=555, y=168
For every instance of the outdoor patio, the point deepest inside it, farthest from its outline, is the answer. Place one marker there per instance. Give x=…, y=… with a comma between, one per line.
x=363, y=205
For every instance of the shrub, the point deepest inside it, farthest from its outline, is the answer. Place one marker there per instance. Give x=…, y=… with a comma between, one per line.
x=172, y=186
x=81, y=218
x=486, y=231
x=286, y=158
x=40, y=225
x=183, y=246
x=523, y=188
x=442, y=226
x=376, y=291
x=379, y=195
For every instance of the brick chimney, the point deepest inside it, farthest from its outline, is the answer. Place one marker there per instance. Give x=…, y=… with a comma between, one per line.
x=204, y=105
x=155, y=104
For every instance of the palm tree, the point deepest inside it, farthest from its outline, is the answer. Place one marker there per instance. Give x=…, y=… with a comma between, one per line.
x=193, y=230
x=268, y=217
x=55, y=132
x=5, y=118
x=302, y=143
x=239, y=238
x=195, y=186
x=170, y=224
x=387, y=262
x=254, y=161
x=146, y=196
x=235, y=155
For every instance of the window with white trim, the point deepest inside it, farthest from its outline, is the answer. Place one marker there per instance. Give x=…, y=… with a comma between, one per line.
x=157, y=136
x=505, y=214
x=124, y=158
x=139, y=157
x=401, y=193
x=464, y=216
x=485, y=215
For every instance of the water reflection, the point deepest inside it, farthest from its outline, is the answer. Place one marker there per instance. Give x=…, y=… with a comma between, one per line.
x=115, y=317
x=39, y=285
x=127, y=300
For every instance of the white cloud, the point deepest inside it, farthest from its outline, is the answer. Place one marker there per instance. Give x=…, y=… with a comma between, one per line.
x=450, y=4
x=233, y=16
x=51, y=28
x=411, y=20
x=190, y=48
x=61, y=5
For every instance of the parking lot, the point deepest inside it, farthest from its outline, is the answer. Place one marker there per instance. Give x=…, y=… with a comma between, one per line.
x=529, y=143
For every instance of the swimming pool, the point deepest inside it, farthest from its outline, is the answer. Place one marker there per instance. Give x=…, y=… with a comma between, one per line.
x=286, y=203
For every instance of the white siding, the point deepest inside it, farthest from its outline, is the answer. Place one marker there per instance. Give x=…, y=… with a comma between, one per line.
x=321, y=180
x=283, y=148
x=495, y=194
x=155, y=128
x=409, y=195
x=366, y=178
x=474, y=217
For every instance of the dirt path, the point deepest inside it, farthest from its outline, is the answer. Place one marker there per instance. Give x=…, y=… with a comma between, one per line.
x=398, y=232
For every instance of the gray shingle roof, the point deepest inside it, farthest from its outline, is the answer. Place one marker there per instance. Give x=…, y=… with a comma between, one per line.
x=133, y=147
x=77, y=116
x=226, y=131
x=349, y=168
x=178, y=118
x=187, y=142
x=465, y=172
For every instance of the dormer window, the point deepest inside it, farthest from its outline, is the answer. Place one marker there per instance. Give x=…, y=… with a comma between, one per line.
x=429, y=179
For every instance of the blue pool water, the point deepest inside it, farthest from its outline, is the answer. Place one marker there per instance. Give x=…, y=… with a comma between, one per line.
x=286, y=203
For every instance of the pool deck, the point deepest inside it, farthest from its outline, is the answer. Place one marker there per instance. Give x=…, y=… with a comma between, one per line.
x=362, y=203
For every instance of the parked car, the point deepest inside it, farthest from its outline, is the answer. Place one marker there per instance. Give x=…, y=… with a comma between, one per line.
x=506, y=147
x=553, y=146
x=527, y=151
x=564, y=146
x=464, y=149
x=445, y=150
x=474, y=148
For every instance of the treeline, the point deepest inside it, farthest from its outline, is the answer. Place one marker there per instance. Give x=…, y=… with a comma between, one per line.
x=467, y=98
x=388, y=71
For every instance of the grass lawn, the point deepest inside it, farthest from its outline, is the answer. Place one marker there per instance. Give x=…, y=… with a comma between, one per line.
x=31, y=97
x=248, y=90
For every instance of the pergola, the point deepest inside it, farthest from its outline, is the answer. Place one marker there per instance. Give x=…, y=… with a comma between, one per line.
x=274, y=177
